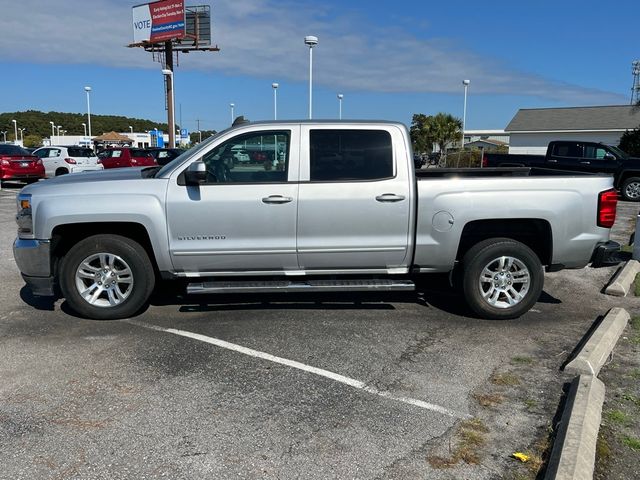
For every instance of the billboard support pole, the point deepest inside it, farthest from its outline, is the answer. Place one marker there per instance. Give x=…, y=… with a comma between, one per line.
x=168, y=55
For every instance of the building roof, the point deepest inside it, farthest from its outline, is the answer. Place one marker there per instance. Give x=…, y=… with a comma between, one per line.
x=112, y=137
x=617, y=117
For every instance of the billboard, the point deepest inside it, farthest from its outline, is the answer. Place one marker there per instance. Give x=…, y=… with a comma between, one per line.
x=159, y=21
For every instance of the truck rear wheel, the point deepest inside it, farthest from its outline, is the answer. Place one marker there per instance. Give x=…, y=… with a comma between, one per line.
x=106, y=277
x=631, y=189
x=502, y=278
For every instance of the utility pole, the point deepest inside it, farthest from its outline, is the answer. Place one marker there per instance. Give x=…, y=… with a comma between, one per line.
x=635, y=89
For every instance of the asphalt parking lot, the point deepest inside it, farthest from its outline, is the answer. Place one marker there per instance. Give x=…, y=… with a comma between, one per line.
x=352, y=386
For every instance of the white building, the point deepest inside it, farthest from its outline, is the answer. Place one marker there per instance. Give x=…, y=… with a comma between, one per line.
x=531, y=130
x=140, y=140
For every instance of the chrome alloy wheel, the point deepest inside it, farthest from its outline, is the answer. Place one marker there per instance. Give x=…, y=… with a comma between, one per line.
x=104, y=280
x=632, y=190
x=504, y=282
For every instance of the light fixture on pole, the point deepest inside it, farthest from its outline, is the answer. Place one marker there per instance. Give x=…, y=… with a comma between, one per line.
x=311, y=42
x=171, y=110
x=4, y=133
x=275, y=100
x=53, y=131
x=58, y=127
x=131, y=128
x=15, y=126
x=340, y=97
x=88, y=90
x=199, y=136
x=464, y=109
x=22, y=134
x=84, y=127
x=232, y=106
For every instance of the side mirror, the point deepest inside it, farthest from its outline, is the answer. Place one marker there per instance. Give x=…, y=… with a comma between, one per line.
x=196, y=174
x=609, y=156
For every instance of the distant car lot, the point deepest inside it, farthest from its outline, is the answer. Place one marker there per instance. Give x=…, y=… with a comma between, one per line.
x=237, y=387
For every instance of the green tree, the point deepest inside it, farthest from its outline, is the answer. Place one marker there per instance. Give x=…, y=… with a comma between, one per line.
x=441, y=129
x=32, y=141
x=630, y=142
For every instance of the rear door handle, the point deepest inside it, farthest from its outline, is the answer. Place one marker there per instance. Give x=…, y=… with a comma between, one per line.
x=277, y=199
x=389, y=197
x=552, y=161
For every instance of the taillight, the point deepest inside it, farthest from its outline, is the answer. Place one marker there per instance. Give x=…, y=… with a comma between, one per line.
x=39, y=161
x=134, y=161
x=4, y=161
x=99, y=161
x=70, y=161
x=485, y=160
x=607, y=204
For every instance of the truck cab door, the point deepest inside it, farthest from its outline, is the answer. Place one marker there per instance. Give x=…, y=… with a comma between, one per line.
x=599, y=159
x=355, y=203
x=566, y=156
x=242, y=219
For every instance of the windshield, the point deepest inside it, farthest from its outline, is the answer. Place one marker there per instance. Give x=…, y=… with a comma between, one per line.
x=166, y=170
x=619, y=152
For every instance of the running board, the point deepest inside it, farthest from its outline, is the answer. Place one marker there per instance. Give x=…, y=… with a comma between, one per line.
x=301, y=286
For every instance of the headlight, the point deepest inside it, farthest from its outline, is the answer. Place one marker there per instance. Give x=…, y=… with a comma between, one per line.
x=24, y=218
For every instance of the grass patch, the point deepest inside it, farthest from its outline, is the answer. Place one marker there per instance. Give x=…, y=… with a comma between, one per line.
x=488, y=399
x=626, y=248
x=603, y=450
x=618, y=417
x=637, y=286
x=632, y=443
x=522, y=360
x=635, y=321
x=471, y=438
x=635, y=373
x=530, y=403
x=628, y=397
x=505, y=379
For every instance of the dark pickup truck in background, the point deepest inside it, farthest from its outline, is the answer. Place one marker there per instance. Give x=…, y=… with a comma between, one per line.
x=580, y=156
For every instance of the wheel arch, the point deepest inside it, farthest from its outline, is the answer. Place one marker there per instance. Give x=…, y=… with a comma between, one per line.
x=534, y=233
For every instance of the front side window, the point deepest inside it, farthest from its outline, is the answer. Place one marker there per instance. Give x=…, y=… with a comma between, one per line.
x=54, y=152
x=592, y=151
x=347, y=155
x=252, y=158
x=42, y=153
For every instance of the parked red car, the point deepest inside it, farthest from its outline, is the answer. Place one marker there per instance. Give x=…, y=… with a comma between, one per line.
x=16, y=163
x=119, y=157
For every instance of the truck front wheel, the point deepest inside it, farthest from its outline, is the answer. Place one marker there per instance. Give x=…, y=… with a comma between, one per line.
x=631, y=189
x=106, y=277
x=502, y=278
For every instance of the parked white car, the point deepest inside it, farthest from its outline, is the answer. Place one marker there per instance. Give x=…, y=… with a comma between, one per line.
x=59, y=160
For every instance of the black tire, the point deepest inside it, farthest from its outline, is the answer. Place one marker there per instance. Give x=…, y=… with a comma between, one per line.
x=631, y=189
x=61, y=171
x=130, y=290
x=497, y=296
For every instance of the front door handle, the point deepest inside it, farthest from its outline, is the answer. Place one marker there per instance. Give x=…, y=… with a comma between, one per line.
x=277, y=199
x=585, y=163
x=389, y=197
x=552, y=161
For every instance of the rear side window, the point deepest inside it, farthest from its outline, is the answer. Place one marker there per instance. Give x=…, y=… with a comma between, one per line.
x=12, y=150
x=567, y=150
x=341, y=155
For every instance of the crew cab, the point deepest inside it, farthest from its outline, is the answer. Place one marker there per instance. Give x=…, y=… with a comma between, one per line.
x=583, y=157
x=343, y=210
x=120, y=157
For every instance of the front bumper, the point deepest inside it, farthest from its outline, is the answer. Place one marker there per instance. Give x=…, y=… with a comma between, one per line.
x=606, y=254
x=34, y=262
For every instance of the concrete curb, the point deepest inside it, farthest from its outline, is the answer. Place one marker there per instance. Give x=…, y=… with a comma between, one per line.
x=621, y=282
x=574, y=451
x=597, y=349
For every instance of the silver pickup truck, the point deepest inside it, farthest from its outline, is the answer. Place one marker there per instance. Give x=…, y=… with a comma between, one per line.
x=311, y=206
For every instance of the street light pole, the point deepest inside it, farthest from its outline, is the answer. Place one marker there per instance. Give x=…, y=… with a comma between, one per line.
x=311, y=42
x=58, y=132
x=131, y=128
x=275, y=100
x=199, y=136
x=232, y=105
x=171, y=110
x=464, y=109
x=22, y=134
x=340, y=97
x=15, y=126
x=53, y=131
x=88, y=90
x=4, y=133
x=84, y=127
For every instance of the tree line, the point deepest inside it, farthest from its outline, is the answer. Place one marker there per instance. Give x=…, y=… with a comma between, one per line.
x=37, y=126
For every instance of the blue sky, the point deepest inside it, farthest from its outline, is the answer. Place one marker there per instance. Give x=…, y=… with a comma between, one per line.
x=389, y=59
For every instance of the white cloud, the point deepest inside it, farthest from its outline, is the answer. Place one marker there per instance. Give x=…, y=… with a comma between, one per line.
x=265, y=38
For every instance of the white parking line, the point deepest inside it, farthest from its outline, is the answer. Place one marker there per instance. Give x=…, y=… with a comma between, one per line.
x=301, y=366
